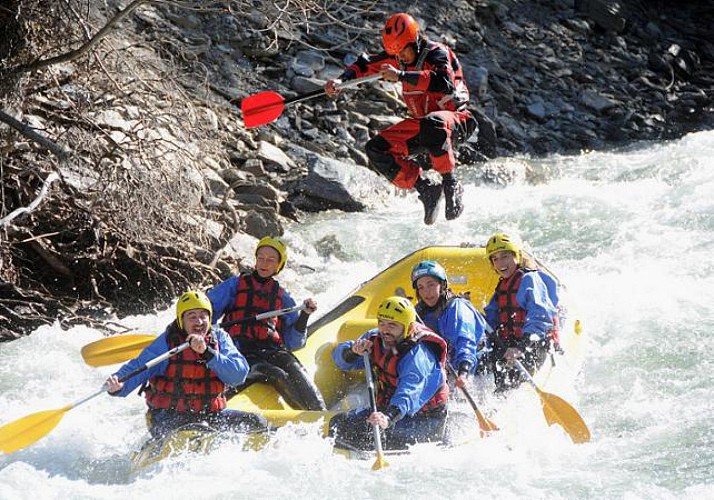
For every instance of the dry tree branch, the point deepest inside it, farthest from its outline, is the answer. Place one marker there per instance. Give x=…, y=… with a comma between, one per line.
x=74, y=54
x=29, y=132
x=43, y=192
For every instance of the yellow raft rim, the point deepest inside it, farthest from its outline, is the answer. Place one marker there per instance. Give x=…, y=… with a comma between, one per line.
x=469, y=272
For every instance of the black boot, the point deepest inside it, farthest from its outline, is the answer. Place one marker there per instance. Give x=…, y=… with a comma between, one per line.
x=430, y=196
x=453, y=191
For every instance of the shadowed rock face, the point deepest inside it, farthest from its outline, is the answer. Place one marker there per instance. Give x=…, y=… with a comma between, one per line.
x=163, y=175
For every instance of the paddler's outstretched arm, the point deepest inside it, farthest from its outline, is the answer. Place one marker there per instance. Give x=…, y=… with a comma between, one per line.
x=154, y=350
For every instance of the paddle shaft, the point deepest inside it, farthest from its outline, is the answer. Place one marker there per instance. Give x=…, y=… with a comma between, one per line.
x=525, y=373
x=265, y=315
x=485, y=424
x=373, y=404
x=344, y=85
x=276, y=103
x=146, y=366
x=27, y=430
x=111, y=350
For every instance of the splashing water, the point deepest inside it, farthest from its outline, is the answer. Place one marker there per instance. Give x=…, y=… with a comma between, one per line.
x=631, y=233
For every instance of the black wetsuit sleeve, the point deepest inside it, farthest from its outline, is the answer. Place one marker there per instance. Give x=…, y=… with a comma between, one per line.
x=349, y=356
x=301, y=323
x=394, y=415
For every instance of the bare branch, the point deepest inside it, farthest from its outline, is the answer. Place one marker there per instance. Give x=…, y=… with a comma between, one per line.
x=59, y=151
x=45, y=187
x=74, y=54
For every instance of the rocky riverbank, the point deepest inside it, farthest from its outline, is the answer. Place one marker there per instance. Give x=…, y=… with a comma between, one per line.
x=160, y=186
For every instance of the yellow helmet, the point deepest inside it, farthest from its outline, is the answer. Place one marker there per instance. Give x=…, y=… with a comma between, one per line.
x=192, y=299
x=501, y=242
x=397, y=309
x=277, y=245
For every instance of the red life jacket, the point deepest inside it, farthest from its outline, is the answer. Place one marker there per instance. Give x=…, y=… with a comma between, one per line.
x=188, y=385
x=252, y=298
x=511, y=315
x=419, y=100
x=386, y=361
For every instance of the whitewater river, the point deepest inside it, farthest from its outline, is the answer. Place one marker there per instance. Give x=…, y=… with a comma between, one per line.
x=632, y=235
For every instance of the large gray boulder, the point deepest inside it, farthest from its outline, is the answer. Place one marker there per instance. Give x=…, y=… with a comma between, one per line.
x=332, y=183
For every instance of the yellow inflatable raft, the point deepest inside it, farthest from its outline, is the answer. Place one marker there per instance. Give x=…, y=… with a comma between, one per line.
x=469, y=272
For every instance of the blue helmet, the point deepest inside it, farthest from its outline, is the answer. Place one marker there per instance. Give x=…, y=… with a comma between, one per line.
x=428, y=268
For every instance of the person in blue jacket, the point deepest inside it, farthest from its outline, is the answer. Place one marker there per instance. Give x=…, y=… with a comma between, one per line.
x=522, y=312
x=451, y=316
x=267, y=343
x=188, y=387
x=408, y=360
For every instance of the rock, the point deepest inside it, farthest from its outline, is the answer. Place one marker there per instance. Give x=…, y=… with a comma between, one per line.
x=477, y=80
x=329, y=246
x=263, y=190
x=184, y=19
x=307, y=63
x=606, y=13
x=380, y=122
x=274, y=158
x=335, y=184
x=537, y=110
x=232, y=175
x=209, y=118
x=113, y=119
x=260, y=223
x=254, y=166
x=303, y=85
x=215, y=182
x=598, y=102
x=210, y=227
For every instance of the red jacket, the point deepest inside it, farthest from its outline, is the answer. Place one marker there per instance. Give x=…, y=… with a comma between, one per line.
x=188, y=385
x=434, y=82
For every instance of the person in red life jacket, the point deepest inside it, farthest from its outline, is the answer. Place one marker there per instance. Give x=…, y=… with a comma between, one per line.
x=188, y=387
x=522, y=312
x=436, y=96
x=452, y=317
x=267, y=343
x=408, y=360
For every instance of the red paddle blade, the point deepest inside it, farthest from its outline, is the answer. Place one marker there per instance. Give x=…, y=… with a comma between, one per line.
x=261, y=108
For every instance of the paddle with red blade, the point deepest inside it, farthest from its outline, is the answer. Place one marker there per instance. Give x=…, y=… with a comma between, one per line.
x=265, y=107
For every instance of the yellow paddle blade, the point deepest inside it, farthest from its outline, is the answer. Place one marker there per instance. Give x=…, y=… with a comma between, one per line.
x=380, y=462
x=486, y=424
x=558, y=411
x=115, y=349
x=27, y=430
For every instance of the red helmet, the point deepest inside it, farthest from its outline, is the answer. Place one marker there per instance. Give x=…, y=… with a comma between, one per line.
x=399, y=31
